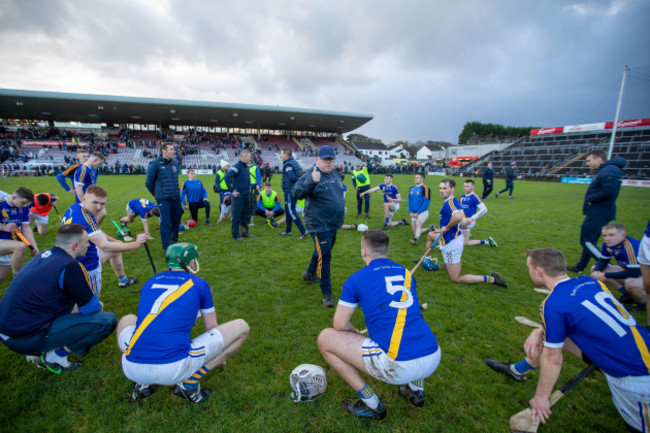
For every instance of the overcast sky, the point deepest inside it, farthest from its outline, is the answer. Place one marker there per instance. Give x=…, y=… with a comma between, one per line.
x=421, y=68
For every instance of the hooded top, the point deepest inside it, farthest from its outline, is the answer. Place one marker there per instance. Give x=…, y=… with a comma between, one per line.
x=600, y=199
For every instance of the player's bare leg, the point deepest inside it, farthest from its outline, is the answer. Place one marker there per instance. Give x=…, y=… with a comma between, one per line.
x=342, y=351
x=453, y=270
x=645, y=273
x=17, y=250
x=234, y=335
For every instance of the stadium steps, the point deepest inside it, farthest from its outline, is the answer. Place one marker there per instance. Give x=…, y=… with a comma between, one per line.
x=566, y=163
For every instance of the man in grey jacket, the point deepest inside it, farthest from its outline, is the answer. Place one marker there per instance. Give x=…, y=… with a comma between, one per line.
x=324, y=212
x=162, y=183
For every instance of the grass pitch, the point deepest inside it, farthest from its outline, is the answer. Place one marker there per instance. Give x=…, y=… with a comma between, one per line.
x=260, y=281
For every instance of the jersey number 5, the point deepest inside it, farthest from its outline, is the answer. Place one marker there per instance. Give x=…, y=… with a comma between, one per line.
x=393, y=285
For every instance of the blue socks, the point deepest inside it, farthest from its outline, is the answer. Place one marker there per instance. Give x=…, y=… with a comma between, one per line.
x=522, y=367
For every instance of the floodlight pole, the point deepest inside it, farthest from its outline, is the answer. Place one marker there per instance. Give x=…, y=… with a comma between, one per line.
x=618, y=110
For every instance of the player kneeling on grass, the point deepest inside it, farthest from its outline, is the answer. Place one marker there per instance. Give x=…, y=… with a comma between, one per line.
x=582, y=317
x=473, y=208
x=400, y=349
x=49, y=309
x=40, y=209
x=157, y=346
x=625, y=276
x=142, y=207
x=452, y=240
x=392, y=199
x=14, y=221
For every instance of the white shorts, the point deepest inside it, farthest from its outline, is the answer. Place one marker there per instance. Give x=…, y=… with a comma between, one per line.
x=209, y=345
x=453, y=251
x=381, y=367
x=421, y=217
x=40, y=219
x=96, y=280
x=5, y=260
x=644, y=251
x=396, y=209
x=631, y=398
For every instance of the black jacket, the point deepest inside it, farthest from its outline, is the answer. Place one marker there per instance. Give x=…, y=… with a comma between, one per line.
x=600, y=199
x=291, y=171
x=324, y=202
x=162, y=179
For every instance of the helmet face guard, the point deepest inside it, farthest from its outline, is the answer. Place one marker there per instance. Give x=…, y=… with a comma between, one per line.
x=308, y=382
x=430, y=264
x=180, y=256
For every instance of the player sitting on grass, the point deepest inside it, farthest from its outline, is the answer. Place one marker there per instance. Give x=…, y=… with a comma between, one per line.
x=403, y=354
x=582, y=317
x=142, y=207
x=49, y=309
x=626, y=276
x=157, y=346
x=392, y=199
x=40, y=209
x=470, y=202
x=14, y=220
x=452, y=241
x=269, y=207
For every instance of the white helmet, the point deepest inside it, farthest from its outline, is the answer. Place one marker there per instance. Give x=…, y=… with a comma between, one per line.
x=362, y=227
x=308, y=382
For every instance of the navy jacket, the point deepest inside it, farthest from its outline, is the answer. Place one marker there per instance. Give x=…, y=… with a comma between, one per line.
x=488, y=174
x=238, y=179
x=511, y=175
x=291, y=171
x=600, y=199
x=324, y=202
x=162, y=179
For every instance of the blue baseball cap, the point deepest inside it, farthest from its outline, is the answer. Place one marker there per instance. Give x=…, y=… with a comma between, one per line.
x=326, y=152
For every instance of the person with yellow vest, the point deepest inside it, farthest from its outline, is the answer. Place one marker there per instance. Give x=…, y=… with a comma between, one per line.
x=256, y=186
x=361, y=181
x=220, y=179
x=268, y=206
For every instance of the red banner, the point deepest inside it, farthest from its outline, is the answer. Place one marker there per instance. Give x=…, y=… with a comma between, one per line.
x=633, y=123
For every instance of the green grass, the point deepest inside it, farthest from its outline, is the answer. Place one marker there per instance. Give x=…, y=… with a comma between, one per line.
x=259, y=281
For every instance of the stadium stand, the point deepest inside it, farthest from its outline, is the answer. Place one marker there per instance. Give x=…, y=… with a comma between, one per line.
x=556, y=155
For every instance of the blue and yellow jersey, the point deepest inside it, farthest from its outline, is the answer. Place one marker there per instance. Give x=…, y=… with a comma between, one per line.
x=450, y=207
x=10, y=214
x=469, y=203
x=141, y=206
x=390, y=192
x=624, y=253
x=387, y=295
x=78, y=215
x=167, y=311
x=85, y=176
x=419, y=198
x=345, y=191
x=584, y=310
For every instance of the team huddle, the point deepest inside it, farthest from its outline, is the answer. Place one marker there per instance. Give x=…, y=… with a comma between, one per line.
x=52, y=307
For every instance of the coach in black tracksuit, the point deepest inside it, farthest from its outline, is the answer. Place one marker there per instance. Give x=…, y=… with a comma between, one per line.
x=291, y=171
x=322, y=190
x=511, y=175
x=238, y=181
x=162, y=183
x=488, y=181
x=599, y=206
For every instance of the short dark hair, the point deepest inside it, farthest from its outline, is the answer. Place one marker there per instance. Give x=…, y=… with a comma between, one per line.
x=163, y=146
x=450, y=182
x=552, y=261
x=598, y=153
x=377, y=243
x=469, y=181
x=268, y=184
x=190, y=169
x=42, y=198
x=24, y=192
x=287, y=152
x=388, y=174
x=155, y=211
x=421, y=173
x=97, y=191
x=69, y=233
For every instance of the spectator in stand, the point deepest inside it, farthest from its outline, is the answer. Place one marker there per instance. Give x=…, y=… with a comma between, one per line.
x=196, y=195
x=40, y=209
